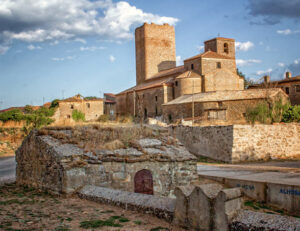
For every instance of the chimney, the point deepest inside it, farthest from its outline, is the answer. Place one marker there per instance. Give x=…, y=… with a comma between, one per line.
x=267, y=79
x=288, y=75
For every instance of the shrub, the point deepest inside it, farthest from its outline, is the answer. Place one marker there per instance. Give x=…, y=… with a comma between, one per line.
x=28, y=109
x=259, y=113
x=292, y=114
x=103, y=118
x=125, y=119
x=14, y=115
x=78, y=116
x=54, y=103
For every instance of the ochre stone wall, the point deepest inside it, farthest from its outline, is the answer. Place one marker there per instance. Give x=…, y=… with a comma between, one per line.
x=239, y=143
x=91, y=108
x=210, y=65
x=155, y=50
x=217, y=45
x=223, y=80
x=187, y=86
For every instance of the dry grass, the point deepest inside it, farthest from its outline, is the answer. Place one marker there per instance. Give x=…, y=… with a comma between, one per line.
x=29, y=209
x=97, y=137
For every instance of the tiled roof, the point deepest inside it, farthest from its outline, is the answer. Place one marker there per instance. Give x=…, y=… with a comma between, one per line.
x=188, y=74
x=75, y=99
x=110, y=94
x=110, y=101
x=168, y=72
x=222, y=38
x=226, y=96
x=292, y=79
x=209, y=55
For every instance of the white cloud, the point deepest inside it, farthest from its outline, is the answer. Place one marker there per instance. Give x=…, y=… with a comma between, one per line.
x=32, y=47
x=246, y=62
x=179, y=60
x=287, y=31
x=112, y=58
x=80, y=40
x=93, y=48
x=268, y=71
x=281, y=64
x=243, y=46
x=296, y=61
x=63, y=58
x=47, y=20
x=4, y=49
x=200, y=48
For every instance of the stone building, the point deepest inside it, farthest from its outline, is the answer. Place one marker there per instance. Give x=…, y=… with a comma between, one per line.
x=151, y=165
x=110, y=105
x=290, y=85
x=91, y=107
x=221, y=107
x=159, y=81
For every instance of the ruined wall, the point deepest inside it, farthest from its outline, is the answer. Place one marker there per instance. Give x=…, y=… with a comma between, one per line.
x=91, y=108
x=234, y=111
x=238, y=143
x=155, y=50
x=294, y=91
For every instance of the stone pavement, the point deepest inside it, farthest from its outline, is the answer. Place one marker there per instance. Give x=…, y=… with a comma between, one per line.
x=7, y=170
x=279, y=186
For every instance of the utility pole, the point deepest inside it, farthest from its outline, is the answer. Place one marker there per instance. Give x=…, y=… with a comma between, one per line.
x=1, y=102
x=43, y=100
x=193, y=105
x=63, y=94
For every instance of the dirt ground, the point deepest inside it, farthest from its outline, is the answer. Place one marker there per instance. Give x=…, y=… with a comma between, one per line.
x=28, y=209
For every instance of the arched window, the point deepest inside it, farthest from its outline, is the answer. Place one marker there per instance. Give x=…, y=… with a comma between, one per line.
x=226, y=50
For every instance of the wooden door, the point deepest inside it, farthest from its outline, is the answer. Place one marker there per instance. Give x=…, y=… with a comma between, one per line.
x=143, y=182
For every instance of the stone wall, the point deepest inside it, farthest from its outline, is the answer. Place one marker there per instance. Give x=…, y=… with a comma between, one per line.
x=49, y=163
x=238, y=143
x=91, y=108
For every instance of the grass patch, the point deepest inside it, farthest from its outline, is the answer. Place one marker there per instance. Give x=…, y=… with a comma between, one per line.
x=99, y=223
x=137, y=222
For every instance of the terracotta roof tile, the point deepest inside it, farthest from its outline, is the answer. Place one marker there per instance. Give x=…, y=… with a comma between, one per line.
x=210, y=55
x=226, y=96
x=168, y=72
x=188, y=74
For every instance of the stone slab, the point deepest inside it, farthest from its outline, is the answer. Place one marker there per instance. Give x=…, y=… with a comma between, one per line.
x=281, y=189
x=162, y=207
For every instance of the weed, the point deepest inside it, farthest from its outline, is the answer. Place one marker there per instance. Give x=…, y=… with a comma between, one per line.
x=137, y=222
x=99, y=223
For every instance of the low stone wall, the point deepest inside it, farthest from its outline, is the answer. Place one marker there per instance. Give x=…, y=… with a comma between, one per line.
x=161, y=207
x=238, y=143
x=12, y=124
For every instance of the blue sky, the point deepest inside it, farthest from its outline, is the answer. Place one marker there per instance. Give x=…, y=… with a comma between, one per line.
x=52, y=49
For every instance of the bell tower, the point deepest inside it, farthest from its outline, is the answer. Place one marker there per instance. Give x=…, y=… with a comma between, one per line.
x=223, y=46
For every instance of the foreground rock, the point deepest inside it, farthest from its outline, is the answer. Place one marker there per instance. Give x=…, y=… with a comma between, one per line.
x=61, y=162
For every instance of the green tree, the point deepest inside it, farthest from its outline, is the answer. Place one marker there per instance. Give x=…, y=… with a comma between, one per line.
x=54, y=103
x=247, y=82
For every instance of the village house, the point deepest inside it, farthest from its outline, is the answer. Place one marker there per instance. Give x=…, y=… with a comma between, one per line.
x=91, y=107
x=290, y=85
x=110, y=105
x=159, y=80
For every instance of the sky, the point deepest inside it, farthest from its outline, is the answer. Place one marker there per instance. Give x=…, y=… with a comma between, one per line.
x=58, y=48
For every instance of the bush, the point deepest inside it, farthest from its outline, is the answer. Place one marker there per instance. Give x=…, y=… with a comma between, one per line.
x=103, y=118
x=292, y=114
x=78, y=116
x=125, y=119
x=54, y=103
x=273, y=113
x=259, y=113
x=14, y=115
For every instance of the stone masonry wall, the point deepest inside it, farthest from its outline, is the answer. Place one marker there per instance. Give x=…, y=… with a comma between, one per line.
x=238, y=143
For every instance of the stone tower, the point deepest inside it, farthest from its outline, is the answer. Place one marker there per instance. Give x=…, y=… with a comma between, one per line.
x=223, y=46
x=155, y=50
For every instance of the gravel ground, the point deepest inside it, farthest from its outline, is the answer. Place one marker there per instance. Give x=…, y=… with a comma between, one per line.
x=28, y=209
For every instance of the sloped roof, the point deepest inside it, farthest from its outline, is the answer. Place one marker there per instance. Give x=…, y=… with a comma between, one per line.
x=188, y=74
x=77, y=99
x=168, y=72
x=226, y=96
x=209, y=55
